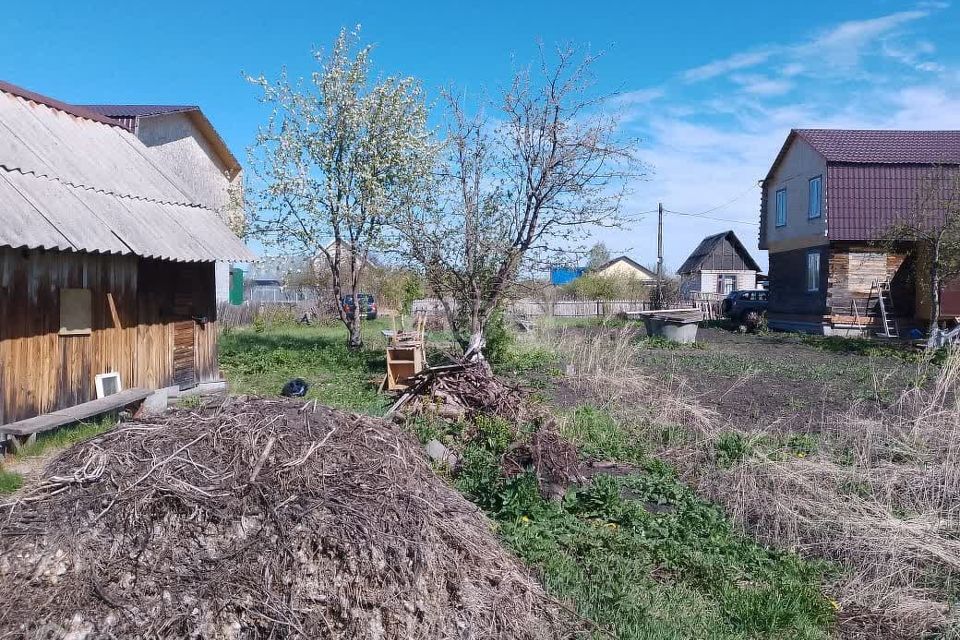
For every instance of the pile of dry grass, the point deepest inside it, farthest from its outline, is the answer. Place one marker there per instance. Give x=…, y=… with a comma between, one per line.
x=603, y=366
x=258, y=519
x=881, y=496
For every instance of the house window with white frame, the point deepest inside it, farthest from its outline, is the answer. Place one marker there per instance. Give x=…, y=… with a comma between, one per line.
x=813, y=271
x=816, y=193
x=781, y=207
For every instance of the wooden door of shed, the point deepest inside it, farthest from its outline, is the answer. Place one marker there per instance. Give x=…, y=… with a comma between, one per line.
x=184, y=354
x=184, y=337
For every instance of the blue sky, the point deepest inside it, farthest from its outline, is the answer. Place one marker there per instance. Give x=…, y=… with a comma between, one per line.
x=710, y=88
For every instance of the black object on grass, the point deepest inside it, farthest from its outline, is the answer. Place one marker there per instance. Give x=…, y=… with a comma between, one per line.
x=296, y=388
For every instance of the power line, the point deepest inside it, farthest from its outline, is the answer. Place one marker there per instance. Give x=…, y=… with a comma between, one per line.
x=703, y=217
x=728, y=202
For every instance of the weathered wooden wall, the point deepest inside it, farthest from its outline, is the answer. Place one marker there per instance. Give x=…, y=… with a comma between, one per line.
x=135, y=306
x=853, y=270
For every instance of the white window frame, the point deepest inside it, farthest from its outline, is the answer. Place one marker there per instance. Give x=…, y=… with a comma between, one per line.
x=818, y=200
x=100, y=382
x=781, y=212
x=813, y=284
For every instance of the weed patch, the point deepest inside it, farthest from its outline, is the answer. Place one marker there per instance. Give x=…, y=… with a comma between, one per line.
x=641, y=556
x=10, y=481
x=599, y=436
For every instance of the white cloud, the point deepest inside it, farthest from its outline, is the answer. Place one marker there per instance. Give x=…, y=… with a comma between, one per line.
x=710, y=144
x=845, y=43
x=759, y=85
x=735, y=62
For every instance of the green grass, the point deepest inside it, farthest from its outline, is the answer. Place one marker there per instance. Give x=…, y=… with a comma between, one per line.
x=642, y=557
x=260, y=362
x=67, y=436
x=10, y=481
x=600, y=437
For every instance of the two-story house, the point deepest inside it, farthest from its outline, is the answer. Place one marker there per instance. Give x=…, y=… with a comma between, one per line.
x=188, y=145
x=828, y=201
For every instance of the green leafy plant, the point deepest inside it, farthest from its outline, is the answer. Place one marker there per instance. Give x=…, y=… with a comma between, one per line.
x=731, y=448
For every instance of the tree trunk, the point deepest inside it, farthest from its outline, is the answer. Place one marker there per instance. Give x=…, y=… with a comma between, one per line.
x=934, y=290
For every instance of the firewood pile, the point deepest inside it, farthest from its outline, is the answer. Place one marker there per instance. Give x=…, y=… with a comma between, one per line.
x=459, y=391
x=260, y=519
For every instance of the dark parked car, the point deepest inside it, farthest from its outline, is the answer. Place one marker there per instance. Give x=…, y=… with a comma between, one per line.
x=368, y=305
x=744, y=305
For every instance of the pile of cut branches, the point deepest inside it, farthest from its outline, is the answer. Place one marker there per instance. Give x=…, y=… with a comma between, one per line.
x=258, y=519
x=554, y=460
x=459, y=391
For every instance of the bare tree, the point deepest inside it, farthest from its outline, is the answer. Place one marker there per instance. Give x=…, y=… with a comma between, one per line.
x=516, y=186
x=931, y=230
x=340, y=156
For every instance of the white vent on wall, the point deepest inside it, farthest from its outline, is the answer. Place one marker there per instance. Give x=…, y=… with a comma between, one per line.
x=108, y=384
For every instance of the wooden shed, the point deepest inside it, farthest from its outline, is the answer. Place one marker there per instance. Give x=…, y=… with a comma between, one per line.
x=720, y=264
x=106, y=265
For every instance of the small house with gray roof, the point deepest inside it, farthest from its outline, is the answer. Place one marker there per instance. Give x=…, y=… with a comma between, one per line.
x=718, y=265
x=186, y=142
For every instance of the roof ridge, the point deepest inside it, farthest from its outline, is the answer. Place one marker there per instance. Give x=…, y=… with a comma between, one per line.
x=133, y=110
x=798, y=129
x=107, y=192
x=75, y=110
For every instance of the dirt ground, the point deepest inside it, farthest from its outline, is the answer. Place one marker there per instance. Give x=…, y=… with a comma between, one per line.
x=778, y=381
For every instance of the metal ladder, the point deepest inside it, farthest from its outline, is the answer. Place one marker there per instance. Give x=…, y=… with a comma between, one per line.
x=881, y=291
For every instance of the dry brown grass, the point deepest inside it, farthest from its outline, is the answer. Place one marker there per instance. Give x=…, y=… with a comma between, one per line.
x=880, y=496
x=604, y=366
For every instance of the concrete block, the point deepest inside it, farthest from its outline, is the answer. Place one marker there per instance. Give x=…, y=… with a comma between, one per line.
x=439, y=453
x=155, y=403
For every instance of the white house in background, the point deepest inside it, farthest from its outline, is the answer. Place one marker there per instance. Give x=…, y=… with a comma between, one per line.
x=719, y=264
x=187, y=145
x=624, y=267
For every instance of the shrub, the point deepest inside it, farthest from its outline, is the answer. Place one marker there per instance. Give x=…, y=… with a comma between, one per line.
x=499, y=339
x=597, y=287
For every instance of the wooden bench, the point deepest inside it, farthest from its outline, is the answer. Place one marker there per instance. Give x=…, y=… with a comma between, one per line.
x=25, y=432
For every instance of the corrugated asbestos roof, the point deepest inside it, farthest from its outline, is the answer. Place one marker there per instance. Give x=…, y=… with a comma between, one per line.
x=129, y=114
x=68, y=182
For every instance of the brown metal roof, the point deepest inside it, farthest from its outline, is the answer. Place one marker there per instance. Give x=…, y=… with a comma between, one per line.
x=138, y=110
x=633, y=263
x=884, y=146
x=76, y=110
x=873, y=176
x=68, y=182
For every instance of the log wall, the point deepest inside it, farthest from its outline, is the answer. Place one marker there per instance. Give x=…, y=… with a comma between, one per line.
x=136, y=304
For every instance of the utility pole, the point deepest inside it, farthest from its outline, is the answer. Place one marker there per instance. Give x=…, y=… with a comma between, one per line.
x=660, y=243
x=658, y=297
